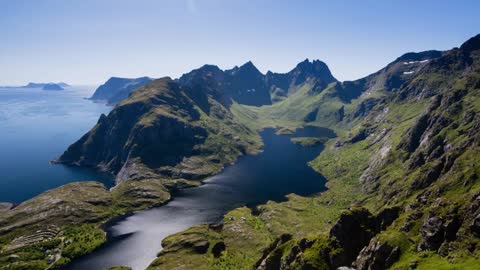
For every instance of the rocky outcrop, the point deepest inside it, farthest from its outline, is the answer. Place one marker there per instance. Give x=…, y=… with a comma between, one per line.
x=358, y=223
x=377, y=256
x=350, y=235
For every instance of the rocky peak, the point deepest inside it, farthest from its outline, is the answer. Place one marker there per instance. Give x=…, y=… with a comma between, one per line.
x=315, y=69
x=248, y=68
x=202, y=74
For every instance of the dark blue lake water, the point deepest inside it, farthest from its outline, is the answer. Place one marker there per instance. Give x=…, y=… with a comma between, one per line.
x=279, y=170
x=36, y=126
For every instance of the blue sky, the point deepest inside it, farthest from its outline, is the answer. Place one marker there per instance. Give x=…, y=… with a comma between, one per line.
x=88, y=41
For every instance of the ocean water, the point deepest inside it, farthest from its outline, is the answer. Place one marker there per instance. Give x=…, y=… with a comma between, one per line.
x=36, y=126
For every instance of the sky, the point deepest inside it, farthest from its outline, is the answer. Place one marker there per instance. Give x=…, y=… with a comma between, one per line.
x=88, y=41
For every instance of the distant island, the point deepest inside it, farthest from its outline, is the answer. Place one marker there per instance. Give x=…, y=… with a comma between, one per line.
x=52, y=87
x=44, y=86
x=116, y=89
x=47, y=86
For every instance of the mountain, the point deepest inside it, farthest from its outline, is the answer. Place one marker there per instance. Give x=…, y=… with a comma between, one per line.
x=165, y=130
x=246, y=85
x=316, y=73
x=116, y=89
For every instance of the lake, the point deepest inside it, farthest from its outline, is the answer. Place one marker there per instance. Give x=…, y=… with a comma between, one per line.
x=36, y=126
x=279, y=170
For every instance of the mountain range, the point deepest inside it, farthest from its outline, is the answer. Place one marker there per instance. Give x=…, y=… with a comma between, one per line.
x=403, y=177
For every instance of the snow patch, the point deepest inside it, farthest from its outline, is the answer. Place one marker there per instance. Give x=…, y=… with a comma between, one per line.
x=415, y=62
x=408, y=72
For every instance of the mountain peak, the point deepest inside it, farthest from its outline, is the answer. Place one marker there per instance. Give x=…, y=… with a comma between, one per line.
x=249, y=66
x=314, y=68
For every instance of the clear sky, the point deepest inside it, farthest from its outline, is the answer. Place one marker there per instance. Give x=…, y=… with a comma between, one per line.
x=88, y=41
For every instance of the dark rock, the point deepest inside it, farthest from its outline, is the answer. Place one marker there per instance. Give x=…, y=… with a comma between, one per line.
x=360, y=136
x=417, y=161
x=377, y=256
x=410, y=220
x=201, y=246
x=311, y=116
x=451, y=228
x=412, y=140
x=429, y=176
x=433, y=233
x=350, y=234
x=365, y=107
x=271, y=256
x=217, y=227
x=217, y=249
x=305, y=243
x=386, y=217
x=340, y=114
x=475, y=226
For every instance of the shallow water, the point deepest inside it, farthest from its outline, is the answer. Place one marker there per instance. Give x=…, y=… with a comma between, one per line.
x=279, y=170
x=36, y=126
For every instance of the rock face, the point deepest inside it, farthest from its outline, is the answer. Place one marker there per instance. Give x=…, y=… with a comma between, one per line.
x=117, y=89
x=351, y=233
x=377, y=256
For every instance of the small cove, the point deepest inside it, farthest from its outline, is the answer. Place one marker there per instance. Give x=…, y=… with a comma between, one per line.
x=279, y=170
